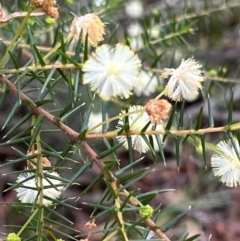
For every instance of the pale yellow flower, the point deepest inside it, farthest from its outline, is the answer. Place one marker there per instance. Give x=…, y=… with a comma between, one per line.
x=112, y=72
x=185, y=81
x=28, y=189
x=147, y=84
x=137, y=122
x=134, y=9
x=95, y=119
x=91, y=25
x=227, y=164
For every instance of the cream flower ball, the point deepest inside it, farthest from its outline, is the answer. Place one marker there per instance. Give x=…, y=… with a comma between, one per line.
x=226, y=163
x=137, y=121
x=112, y=72
x=27, y=191
x=185, y=81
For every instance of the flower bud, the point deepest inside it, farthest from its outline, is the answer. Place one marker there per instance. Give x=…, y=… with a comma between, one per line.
x=146, y=211
x=13, y=237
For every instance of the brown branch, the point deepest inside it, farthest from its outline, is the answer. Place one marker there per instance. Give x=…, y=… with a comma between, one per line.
x=73, y=135
x=174, y=132
x=40, y=111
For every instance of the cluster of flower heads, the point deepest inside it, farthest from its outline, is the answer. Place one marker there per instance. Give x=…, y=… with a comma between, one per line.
x=29, y=184
x=116, y=72
x=113, y=72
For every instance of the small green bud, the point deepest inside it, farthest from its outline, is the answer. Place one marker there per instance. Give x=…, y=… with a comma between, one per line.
x=212, y=73
x=70, y=1
x=146, y=211
x=30, y=22
x=224, y=70
x=155, y=12
x=13, y=237
x=59, y=239
x=199, y=148
x=50, y=20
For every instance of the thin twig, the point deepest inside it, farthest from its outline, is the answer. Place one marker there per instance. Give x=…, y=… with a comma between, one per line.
x=15, y=15
x=39, y=47
x=73, y=135
x=175, y=132
x=56, y=65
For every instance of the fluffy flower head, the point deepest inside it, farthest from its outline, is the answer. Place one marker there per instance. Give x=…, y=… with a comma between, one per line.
x=226, y=163
x=185, y=81
x=134, y=9
x=112, y=72
x=96, y=119
x=89, y=24
x=27, y=192
x=137, y=121
x=146, y=84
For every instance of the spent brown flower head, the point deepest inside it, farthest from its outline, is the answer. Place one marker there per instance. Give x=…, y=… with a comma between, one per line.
x=89, y=24
x=158, y=110
x=51, y=11
x=31, y=164
x=41, y=3
x=37, y=3
x=48, y=6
